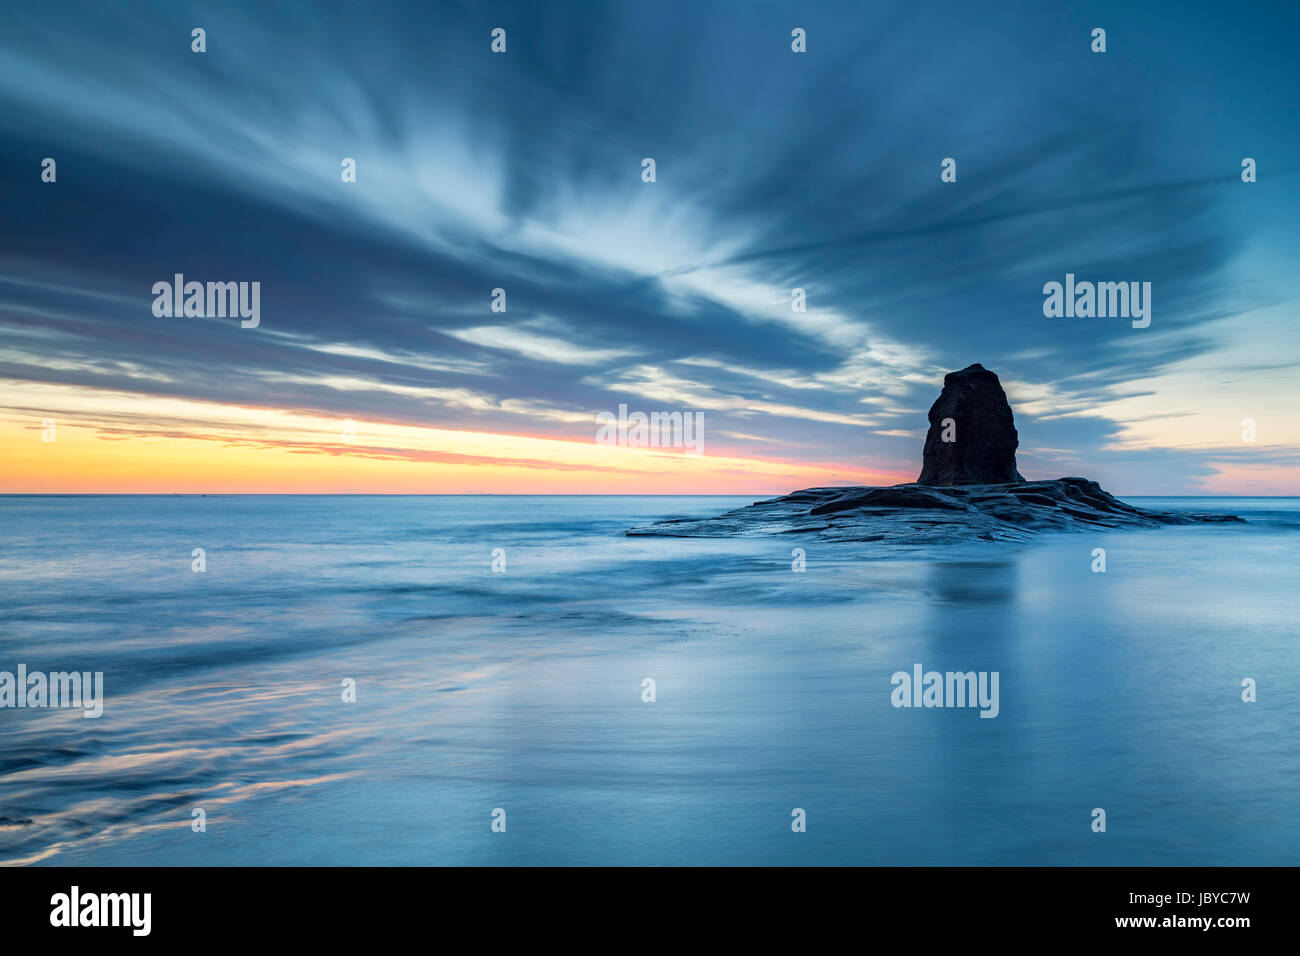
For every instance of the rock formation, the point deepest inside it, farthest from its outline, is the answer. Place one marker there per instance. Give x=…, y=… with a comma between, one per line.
x=972, y=438
x=969, y=488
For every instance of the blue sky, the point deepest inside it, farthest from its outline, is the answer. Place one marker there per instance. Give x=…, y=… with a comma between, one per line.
x=775, y=170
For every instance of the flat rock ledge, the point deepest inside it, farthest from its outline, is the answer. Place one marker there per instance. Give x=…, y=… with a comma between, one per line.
x=929, y=514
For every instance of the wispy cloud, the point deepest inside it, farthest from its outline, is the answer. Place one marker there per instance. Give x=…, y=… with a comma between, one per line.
x=775, y=171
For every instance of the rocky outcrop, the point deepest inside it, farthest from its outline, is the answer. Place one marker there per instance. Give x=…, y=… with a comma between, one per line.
x=921, y=514
x=972, y=438
x=969, y=489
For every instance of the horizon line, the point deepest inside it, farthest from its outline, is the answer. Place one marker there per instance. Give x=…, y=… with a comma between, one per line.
x=489, y=494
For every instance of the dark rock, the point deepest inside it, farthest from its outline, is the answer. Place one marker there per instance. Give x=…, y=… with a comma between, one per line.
x=918, y=514
x=983, y=451
x=899, y=496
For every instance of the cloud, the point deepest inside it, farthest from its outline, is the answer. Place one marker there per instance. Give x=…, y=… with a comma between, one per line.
x=775, y=171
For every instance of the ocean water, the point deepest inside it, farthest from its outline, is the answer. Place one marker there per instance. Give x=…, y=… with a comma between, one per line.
x=521, y=689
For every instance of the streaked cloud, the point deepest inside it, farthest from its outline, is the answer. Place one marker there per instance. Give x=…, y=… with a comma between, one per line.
x=775, y=171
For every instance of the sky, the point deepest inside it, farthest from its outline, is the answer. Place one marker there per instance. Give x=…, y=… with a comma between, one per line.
x=378, y=364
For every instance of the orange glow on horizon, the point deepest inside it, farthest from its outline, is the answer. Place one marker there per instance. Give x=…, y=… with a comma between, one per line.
x=221, y=449
x=140, y=444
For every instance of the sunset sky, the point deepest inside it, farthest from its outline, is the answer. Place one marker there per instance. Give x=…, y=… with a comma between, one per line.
x=522, y=171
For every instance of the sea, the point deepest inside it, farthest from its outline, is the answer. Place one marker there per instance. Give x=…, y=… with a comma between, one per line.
x=488, y=680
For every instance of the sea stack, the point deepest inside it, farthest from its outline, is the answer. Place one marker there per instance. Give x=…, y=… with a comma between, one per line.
x=972, y=438
x=969, y=490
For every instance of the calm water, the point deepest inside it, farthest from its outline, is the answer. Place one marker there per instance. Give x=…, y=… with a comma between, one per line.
x=522, y=689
